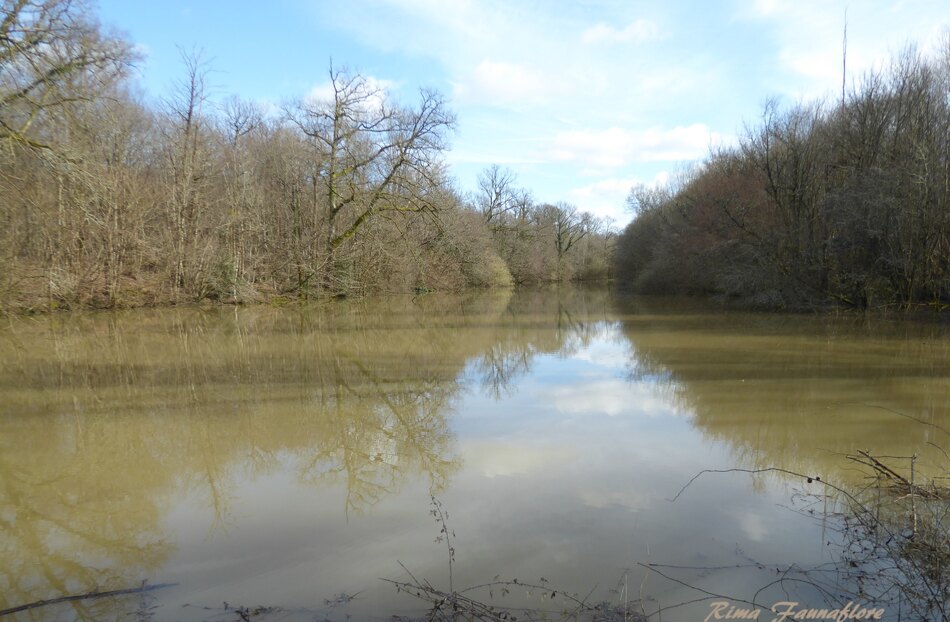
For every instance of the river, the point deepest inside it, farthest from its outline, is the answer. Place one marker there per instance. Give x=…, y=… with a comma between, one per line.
x=288, y=457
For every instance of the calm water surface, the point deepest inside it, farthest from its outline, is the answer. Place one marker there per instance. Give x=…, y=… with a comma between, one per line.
x=261, y=456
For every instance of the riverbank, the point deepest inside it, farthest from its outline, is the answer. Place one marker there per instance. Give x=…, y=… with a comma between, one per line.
x=154, y=296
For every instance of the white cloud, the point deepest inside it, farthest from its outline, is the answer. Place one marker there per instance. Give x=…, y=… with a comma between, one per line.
x=608, y=197
x=661, y=179
x=521, y=71
x=616, y=146
x=637, y=31
x=605, y=198
x=810, y=33
x=766, y=7
x=502, y=83
x=459, y=23
x=487, y=157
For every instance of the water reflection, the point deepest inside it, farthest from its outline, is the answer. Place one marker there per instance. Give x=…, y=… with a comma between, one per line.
x=108, y=417
x=799, y=392
x=81, y=499
x=142, y=445
x=538, y=322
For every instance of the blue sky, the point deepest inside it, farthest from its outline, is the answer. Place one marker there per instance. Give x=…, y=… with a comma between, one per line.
x=580, y=99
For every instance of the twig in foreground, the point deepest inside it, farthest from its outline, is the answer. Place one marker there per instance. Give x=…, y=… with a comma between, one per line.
x=87, y=596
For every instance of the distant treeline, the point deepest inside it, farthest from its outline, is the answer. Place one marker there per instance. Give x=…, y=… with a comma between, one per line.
x=107, y=199
x=840, y=203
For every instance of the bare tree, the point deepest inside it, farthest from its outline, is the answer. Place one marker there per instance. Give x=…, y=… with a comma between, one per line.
x=47, y=47
x=497, y=195
x=185, y=109
x=376, y=158
x=240, y=121
x=569, y=226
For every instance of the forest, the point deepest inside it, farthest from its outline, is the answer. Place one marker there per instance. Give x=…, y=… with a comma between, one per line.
x=109, y=198
x=825, y=204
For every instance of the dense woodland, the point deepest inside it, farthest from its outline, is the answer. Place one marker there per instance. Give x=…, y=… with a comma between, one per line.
x=109, y=198
x=843, y=203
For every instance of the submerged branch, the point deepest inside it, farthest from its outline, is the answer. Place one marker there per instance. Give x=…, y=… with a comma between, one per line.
x=88, y=596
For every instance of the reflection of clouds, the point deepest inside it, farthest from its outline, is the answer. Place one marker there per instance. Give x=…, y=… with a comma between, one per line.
x=611, y=396
x=605, y=353
x=494, y=459
x=753, y=526
x=627, y=499
x=595, y=388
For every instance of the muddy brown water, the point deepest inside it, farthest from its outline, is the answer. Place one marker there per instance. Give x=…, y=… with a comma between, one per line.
x=286, y=457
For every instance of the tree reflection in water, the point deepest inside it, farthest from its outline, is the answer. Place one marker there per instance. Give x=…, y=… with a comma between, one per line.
x=111, y=417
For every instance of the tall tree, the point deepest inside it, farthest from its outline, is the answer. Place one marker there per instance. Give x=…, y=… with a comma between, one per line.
x=376, y=158
x=187, y=163
x=47, y=49
x=568, y=226
x=497, y=195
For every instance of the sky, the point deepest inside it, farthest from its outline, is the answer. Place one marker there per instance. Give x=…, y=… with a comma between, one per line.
x=580, y=99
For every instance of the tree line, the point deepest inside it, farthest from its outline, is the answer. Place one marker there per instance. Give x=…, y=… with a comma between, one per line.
x=844, y=203
x=109, y=199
